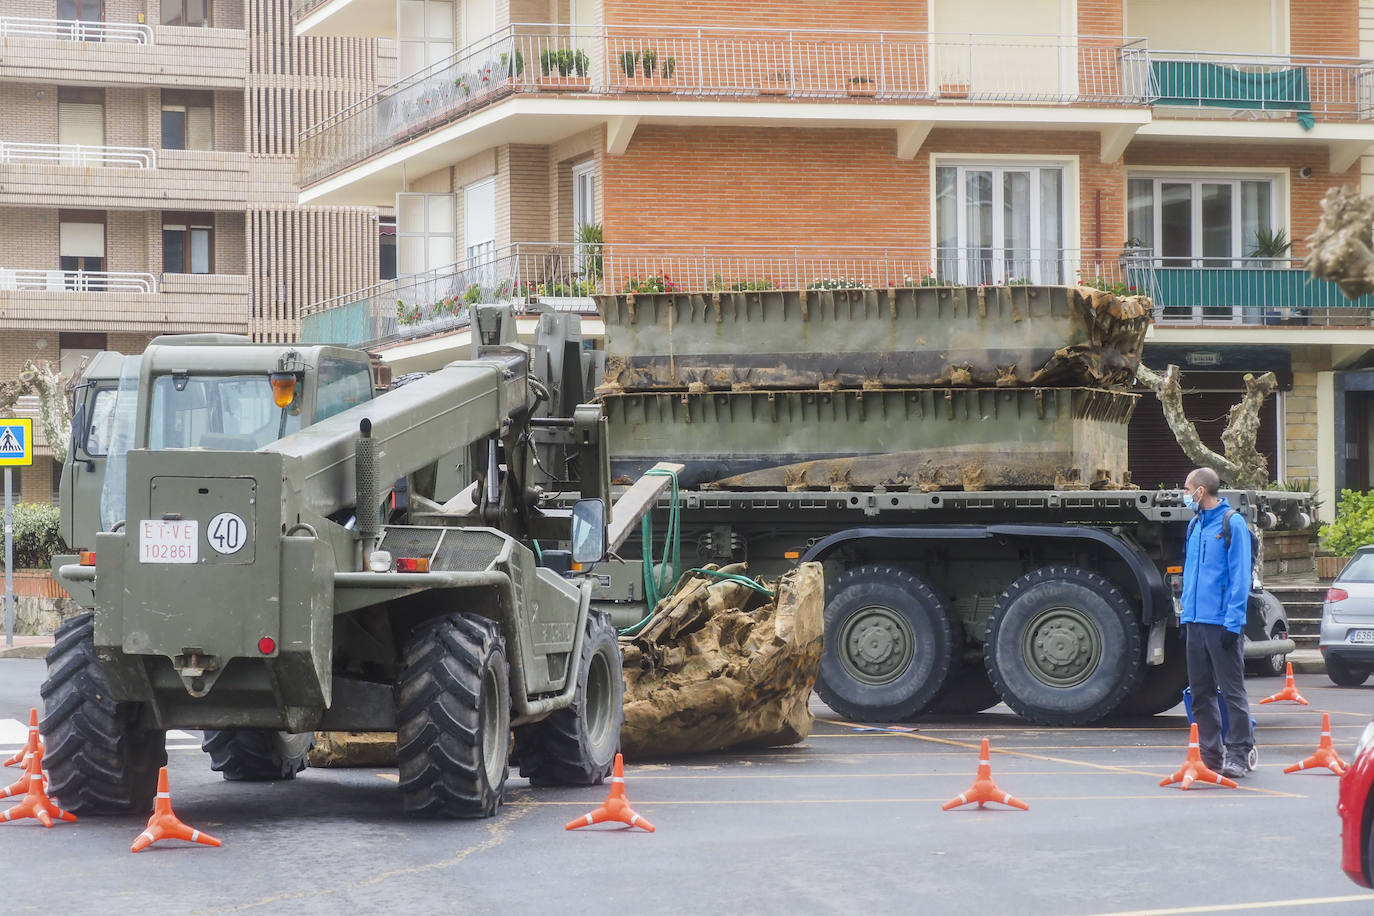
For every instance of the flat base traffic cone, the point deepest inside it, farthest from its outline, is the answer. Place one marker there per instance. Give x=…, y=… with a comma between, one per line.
x=21, y=785
x=1289, y=691
x=32, y=742
x=164, y=825
x=616, y=807
x=1325, y=755
x=984, y=790
x=36, y=803
x=1194, y=770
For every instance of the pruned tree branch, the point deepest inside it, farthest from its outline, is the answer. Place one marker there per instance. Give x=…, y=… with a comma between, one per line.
x=1342, y=249
x=53, y=413
x=1169, y=390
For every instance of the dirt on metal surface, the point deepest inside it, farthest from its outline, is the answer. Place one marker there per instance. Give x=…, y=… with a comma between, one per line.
x=724, y=666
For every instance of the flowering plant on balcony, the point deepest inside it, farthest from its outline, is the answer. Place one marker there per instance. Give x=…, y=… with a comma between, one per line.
x=928, y=280
x=655, y=284
x=838, y=283
x=472, y=293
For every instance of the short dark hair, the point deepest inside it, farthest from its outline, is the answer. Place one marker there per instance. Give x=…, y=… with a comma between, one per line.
x=1206, y=478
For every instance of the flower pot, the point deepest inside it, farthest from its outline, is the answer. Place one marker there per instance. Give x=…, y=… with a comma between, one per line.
x=1330, y=567
x=954, y=90
x=565, y=83
x=645, y=84
x=862, y=90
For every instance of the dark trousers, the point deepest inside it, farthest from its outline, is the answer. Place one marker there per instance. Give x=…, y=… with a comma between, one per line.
x=1211, y=665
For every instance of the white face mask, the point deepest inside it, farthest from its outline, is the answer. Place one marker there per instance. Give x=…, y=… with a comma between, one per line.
x=1189, y=500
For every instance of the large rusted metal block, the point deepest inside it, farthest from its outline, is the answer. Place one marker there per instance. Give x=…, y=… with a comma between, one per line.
x=1005, y=336
x=926, y=439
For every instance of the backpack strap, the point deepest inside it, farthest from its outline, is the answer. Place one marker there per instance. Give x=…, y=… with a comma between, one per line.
x=1225, y=527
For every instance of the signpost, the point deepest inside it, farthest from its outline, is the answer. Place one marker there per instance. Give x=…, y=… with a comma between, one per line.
x=16, y=450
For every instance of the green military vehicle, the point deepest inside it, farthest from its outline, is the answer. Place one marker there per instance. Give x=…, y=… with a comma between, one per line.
x=274, y=548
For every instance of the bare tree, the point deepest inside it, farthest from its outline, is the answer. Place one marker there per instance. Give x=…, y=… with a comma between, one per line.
x=54, y=414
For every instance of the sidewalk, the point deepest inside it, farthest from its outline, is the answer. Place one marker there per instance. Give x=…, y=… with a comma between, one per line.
x=27, y=647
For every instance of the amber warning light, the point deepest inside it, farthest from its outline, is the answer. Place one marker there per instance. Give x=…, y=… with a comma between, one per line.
x=412, y=564
x=87, y=558
x=283, y=388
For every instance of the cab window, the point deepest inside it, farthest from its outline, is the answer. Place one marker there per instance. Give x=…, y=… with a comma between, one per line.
x=233, y=413
x=342, y=384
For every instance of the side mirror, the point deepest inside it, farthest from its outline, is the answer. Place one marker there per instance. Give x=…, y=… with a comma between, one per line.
x=589, y=531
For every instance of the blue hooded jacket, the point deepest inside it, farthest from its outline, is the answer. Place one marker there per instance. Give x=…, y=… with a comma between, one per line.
x=1216, y=581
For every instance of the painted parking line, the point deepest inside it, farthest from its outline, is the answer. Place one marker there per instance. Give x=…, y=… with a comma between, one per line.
x=1236, y=907
x=515, y=801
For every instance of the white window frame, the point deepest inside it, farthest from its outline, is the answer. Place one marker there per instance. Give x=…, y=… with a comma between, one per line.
x=479, y=228
x=583, y=204
x=428, y=233
x=1067, y=167
x=435, y=49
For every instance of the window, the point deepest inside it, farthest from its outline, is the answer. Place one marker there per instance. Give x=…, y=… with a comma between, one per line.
x=80, y=120
x=424, y=232
x=188, y=120
x=188, y=243
x=343, y=384
x=424, y=33
x=100, y=424
x=231, y=413
x=186, y=12
x=479, y=223
x=1000, y=224
x=81, y=248
x=81, y=10
x=479, y=20
x=386, y=260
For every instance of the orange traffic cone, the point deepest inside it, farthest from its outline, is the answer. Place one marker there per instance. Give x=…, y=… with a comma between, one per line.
x=984, y=789
x=21, y=785
x=1325, y=756
x=616, y=807
x=1289, y=691
x=36, y=803
x=20, y=756
x=1194, y=770
x=164, y=825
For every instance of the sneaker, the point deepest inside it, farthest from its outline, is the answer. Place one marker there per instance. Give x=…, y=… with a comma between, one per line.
x=1233, y=769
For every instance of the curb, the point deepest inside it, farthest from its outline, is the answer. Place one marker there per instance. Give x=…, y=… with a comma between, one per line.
x=32, y=650
x=1307, y=661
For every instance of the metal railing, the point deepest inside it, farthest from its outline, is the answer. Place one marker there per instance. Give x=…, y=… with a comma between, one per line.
x=731, y=64
x=75, y=281
x=1248, y=292
x=300, y=8
x=127, y=157
x=1334, y=89
x=74, y=30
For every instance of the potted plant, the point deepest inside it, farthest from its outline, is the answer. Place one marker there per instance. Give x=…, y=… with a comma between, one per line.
x=513, y=64
x=1352, y=529
x=669, y=67
x=629, y=60
x=649, y=62
x=641, y=70
x=776, y=83
x=564, y=69
x=862, y=87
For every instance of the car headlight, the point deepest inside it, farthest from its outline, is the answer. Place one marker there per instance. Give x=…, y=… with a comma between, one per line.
x=1366, y=739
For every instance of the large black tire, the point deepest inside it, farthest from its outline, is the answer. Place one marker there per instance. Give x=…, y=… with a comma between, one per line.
x=890, y=644
x=257, y=754
x=1161, y=686
x=453, y=718
x=1345, y=674
x=577, y=746
x=99, y=760
x=968, y=690
x=1271, y=665
x=1062, y=646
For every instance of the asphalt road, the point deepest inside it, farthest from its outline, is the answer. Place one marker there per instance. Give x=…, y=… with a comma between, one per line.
x=848, y=822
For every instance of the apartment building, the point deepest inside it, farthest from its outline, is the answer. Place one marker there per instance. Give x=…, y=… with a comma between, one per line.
x=147, y=177
x=1179, y=148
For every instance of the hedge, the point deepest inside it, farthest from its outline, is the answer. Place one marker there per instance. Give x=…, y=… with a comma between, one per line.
x=36, y=536
x=1354, y=524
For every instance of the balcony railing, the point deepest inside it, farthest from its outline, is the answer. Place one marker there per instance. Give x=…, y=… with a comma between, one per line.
x=80, y=281
x=1243, y=291
x=300, y=7
x=731, y=64
x=122, y=157
x=74, y=30
x=566, y=275
x=1332, y=89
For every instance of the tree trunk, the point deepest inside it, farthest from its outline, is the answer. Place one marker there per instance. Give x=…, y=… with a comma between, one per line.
x=1342, y=250
x=53, y=413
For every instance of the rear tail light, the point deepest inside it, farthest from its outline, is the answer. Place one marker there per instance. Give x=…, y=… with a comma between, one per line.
x=1336, y=594
x=87, y=558
x=412, y=564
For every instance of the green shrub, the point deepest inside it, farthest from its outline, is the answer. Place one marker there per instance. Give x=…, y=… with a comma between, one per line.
x=35, y=536
x=1354, y=524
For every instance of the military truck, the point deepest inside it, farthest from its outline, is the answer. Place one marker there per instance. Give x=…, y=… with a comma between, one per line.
x=955, y=457
x=279, y=549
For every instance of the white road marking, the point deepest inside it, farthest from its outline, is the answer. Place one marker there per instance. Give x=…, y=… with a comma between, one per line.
x=14, y=734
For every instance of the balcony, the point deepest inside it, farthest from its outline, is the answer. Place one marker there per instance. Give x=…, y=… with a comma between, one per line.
x=112, y=177
x=344, y=18
x=567, y=276
x=554, y=81
x=68, y=52
x=1243, y=292
x=135, y=302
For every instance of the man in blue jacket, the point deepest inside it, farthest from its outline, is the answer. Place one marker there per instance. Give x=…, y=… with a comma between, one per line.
x=1216, y=588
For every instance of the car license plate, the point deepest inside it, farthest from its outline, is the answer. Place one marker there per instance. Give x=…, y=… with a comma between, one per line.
x=167, y=542
x=1362, y=636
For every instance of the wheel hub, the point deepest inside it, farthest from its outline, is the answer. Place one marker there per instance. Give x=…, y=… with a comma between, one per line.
x=877, y=645
x=1062, y=646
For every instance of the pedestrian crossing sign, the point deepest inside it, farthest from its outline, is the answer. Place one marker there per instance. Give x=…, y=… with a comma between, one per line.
x=16, y=442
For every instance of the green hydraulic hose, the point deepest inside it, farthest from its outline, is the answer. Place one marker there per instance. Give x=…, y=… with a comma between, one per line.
x=658, y=588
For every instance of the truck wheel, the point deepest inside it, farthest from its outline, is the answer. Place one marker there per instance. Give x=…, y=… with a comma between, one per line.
x=99, y=760
x=1342, y=674
x=256, y=754
x=576, y=746
x=1271, y=665
x=968, y=691
x=1161, y=686
x=453, y=718
x=890, y=642
x=1062, y=646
